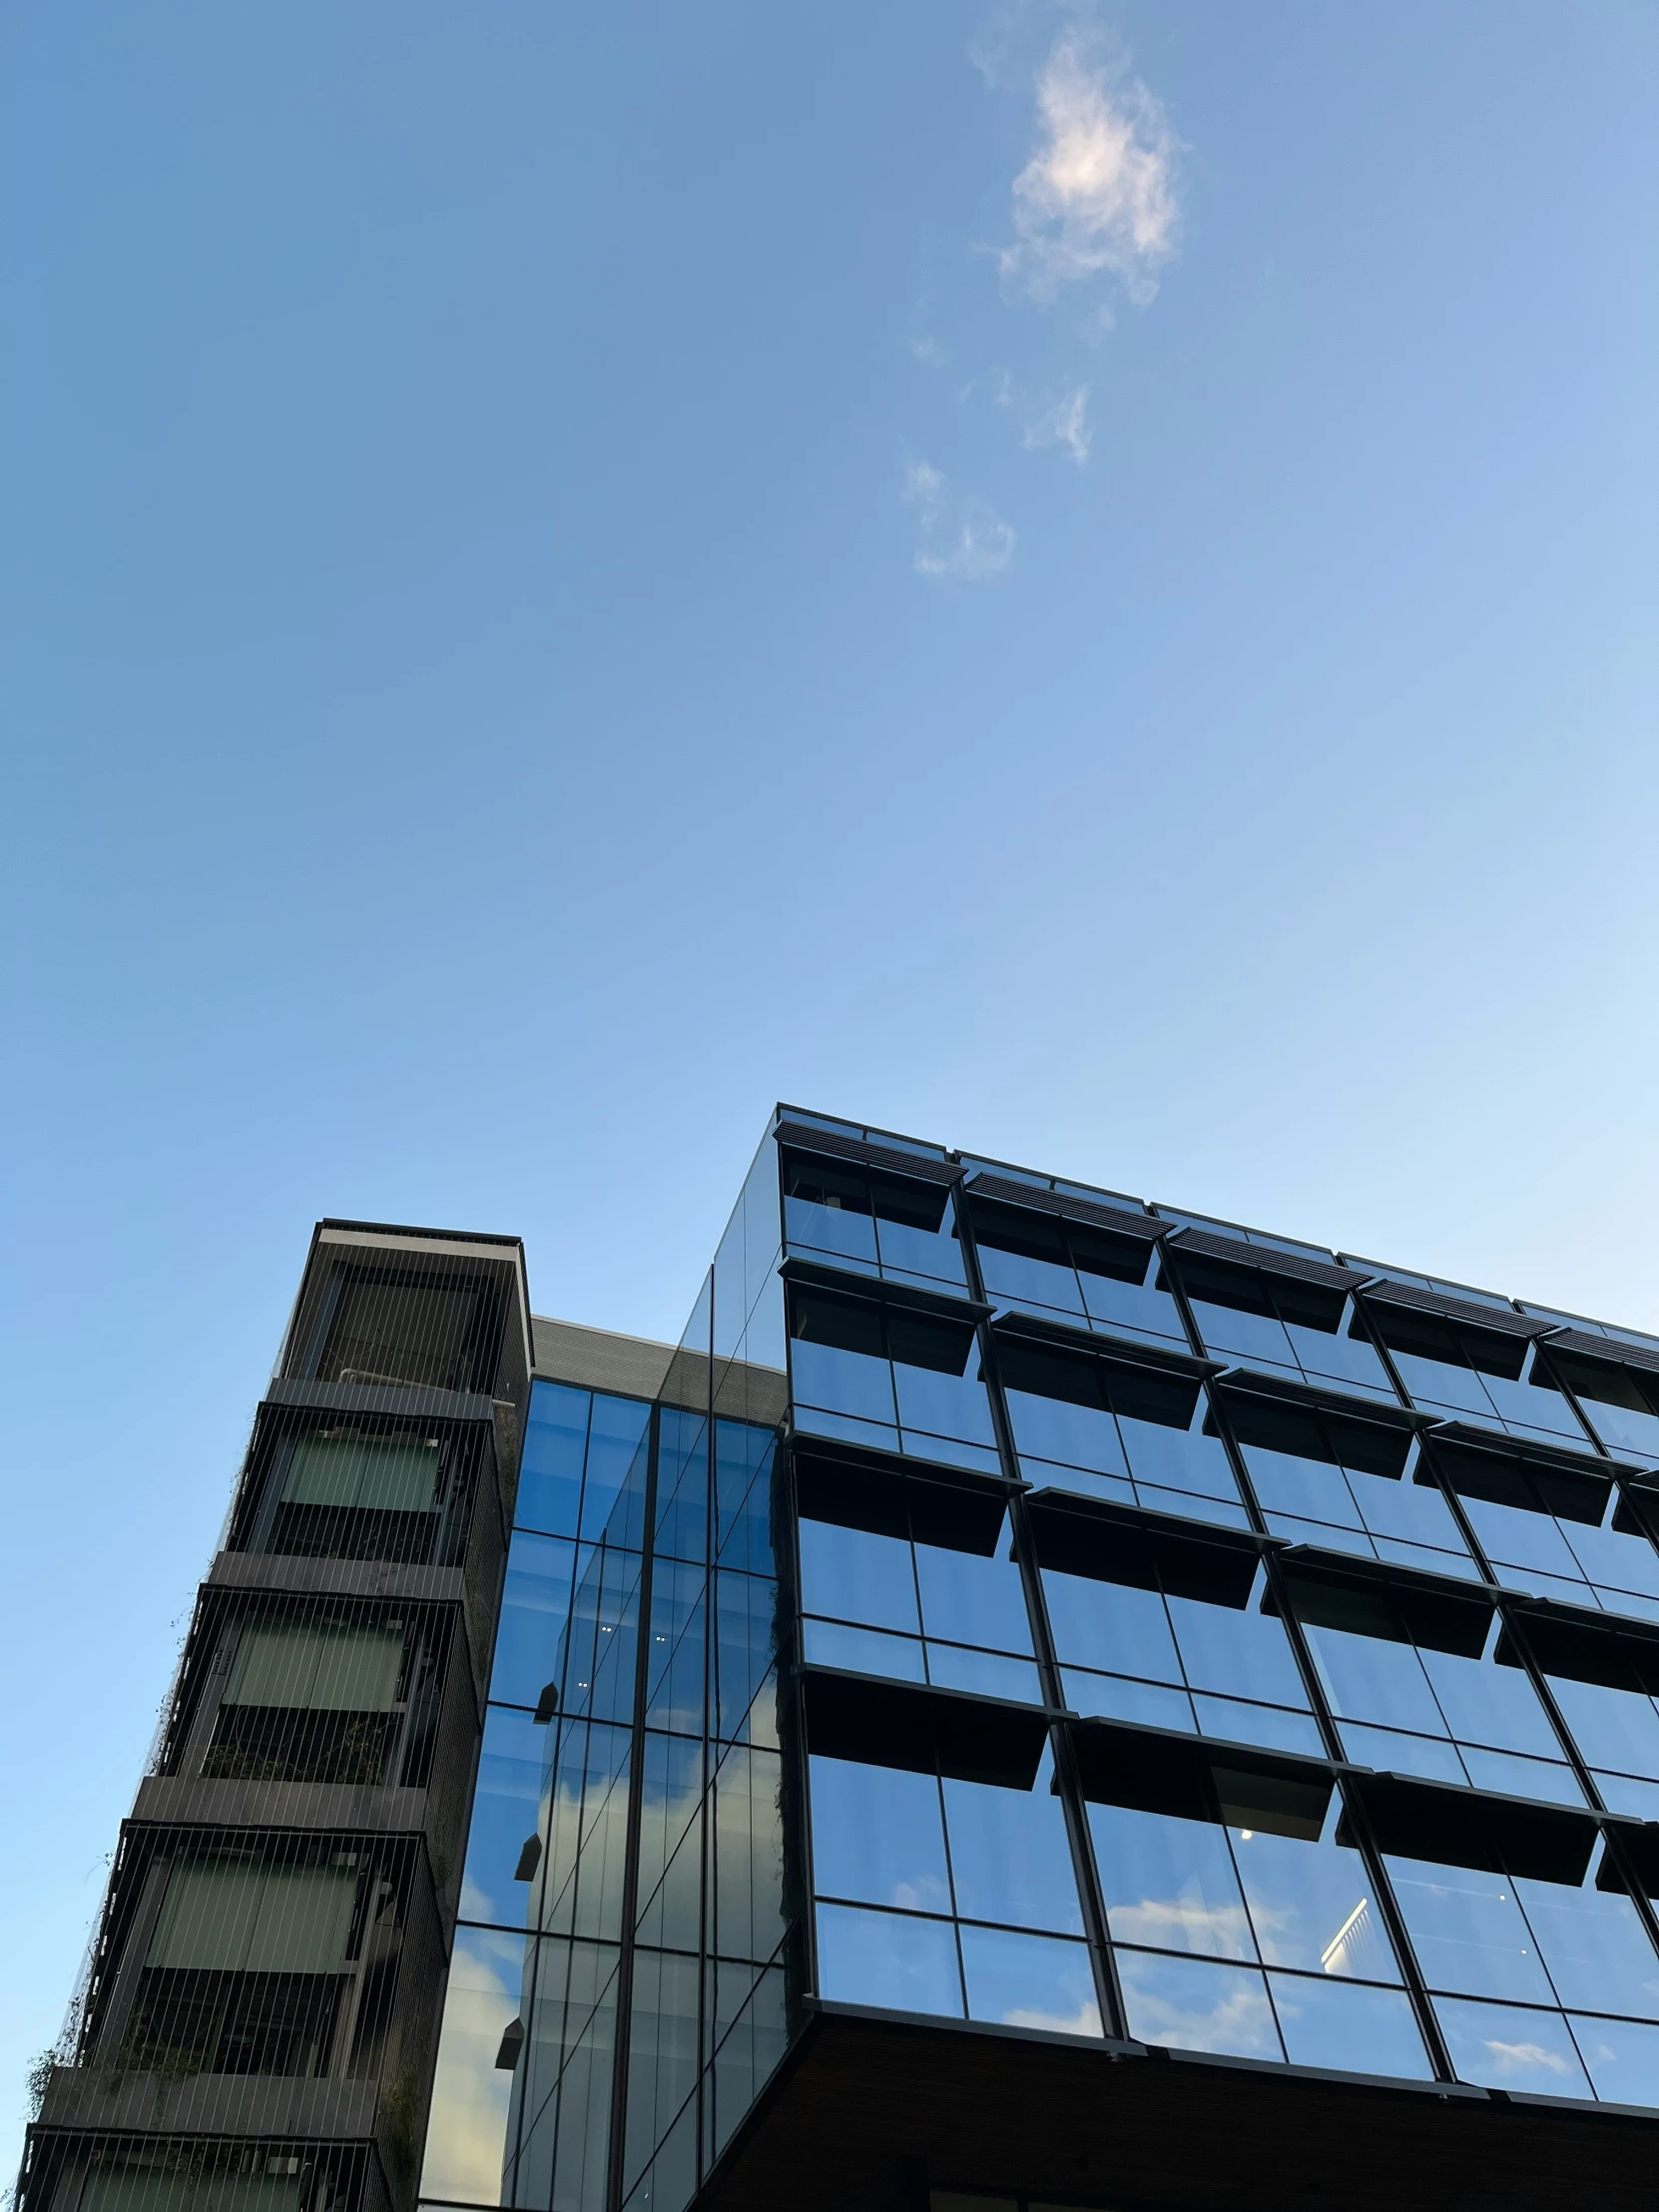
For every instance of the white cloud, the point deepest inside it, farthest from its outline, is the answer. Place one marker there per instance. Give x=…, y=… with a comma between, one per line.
x=1084, y=2021
x=1098, y=196
x=961, y=539
x=1061, y=421
x=1525, y=2057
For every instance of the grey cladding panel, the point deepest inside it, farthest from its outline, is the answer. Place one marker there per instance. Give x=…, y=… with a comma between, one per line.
x=597, y=1359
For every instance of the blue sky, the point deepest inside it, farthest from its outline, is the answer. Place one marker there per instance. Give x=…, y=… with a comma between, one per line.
x=1078, y=583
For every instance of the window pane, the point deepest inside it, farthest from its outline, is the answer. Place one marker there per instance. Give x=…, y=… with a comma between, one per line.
x=506, y=1814
x=1177, y=1458
x=835, y=1229
x=1432, y=1382
x=1594, y=1947
x=845, y=1381
x=1054, y=1428
x=563, y=2080
x=865, y=1651
x=1431, y=1757
x=1612, y=1728
x=1030, y=1982
x=1312, y=1907
x=1498, y=2046
x=1513, y=1774
x=983, y=1673
x=944, y=1405
x=1240, y=1653
x=1147, y=1313
x=391, y=1474
x=1023, y=1281
x=889, y=1960
x=1236, y=1721
x=317, y=1666
x=1110, y=1626
x=1346, y=1358
x=1311, y=1488
x=1169, y=1882
x=617, y=1444
x=1412, y=1511
x=1009, y=1856
x=877, y=1836
x=852, y=1575
x=1191, y=2005
x=467, y=2134
x=1620, y=1556
x=1623, y=2060
x=1469, y=1931
x=1349, y=2028
x=972, y=1600
x=535, y=1605
x=1255, y=1338
x=1486, y=1703
x=1521, y=1540
x=1114, y=1698
x=1374, y=1678
x=550, y=1472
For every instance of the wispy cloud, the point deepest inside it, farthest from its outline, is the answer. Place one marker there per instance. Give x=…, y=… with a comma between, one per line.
x=1098, y=197
x=964, y=539
x=1050, y=418
x=1062, y=421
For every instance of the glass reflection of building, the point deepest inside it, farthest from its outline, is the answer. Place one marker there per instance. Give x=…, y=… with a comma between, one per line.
x=1037, y=1700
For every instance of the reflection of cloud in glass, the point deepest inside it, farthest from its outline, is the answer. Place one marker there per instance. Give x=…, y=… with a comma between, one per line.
x=470, y=2094
x=1521, y=2058
x=1221, y=1930
x=1084, y=2021
x=475, y=1906
x=1188, y=2005
x=928, y=1895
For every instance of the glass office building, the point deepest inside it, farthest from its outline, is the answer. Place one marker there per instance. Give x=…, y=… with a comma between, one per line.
x=1040, y=1698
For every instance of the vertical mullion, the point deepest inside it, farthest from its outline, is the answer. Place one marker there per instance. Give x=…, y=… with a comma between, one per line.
x=1359, y=1823
x=1108, y=1994
x=631, y=1850
x=705, y=1810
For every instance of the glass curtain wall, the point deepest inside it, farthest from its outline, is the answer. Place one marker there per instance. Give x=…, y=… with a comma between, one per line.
x=619, y=1984
x=1081, y=1660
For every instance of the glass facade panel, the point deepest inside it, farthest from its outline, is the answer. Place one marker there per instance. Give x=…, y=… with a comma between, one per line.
x=1620, y=1402
x=872, y=1221
x=879, y=1837
x=1471, y=1373
x=1326, y=1478
x=896, y=1379
x=1407, y=1671
x=1030, y=1982
x=535, y=1605
x=1177, y=1614
x=891, y=1959
x=1277, y=1322
x=1082, y=1275
x=1191, y=2004
x=1129, y=1434
x=1243, y=1899
x=1245, y=1867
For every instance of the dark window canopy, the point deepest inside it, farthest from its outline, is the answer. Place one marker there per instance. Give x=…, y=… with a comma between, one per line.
x=829, y=1144
x=900, y=1724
